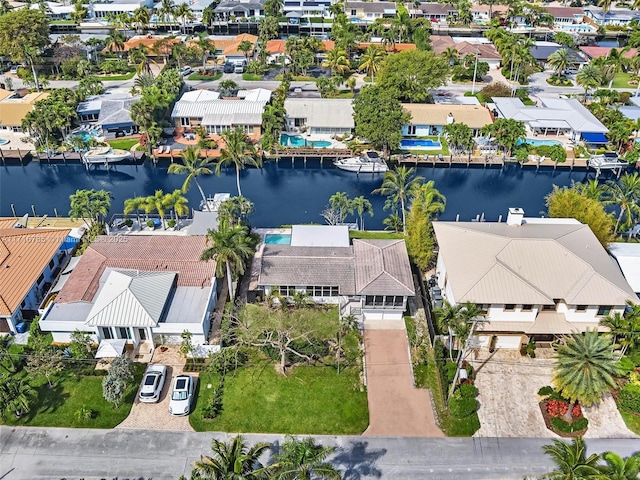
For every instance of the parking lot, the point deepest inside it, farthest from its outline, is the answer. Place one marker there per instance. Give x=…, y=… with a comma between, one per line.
x=155, y=416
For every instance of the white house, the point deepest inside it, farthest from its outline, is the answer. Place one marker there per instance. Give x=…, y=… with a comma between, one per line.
x=146, y=291
x=617, y=17
x=535, y=278
x=319, y=115
x=370, y=279
x=429, y=119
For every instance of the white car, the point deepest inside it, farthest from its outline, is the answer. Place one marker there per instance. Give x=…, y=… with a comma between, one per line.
x=181, y=395
x=152, y=383
x=186, y=70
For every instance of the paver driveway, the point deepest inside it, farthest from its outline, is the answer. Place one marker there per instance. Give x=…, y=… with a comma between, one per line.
x=155, y=416
x=508, y=385
x=396, y=407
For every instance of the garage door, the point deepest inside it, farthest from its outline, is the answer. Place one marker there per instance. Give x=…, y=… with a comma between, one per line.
x=4, y=326
x=508, y=341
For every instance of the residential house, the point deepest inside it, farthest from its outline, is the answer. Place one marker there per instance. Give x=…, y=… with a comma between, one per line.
x=196, y=6
x=369, y=12
x=558, y=116
x=617, y=17
x=220, y=115
x=111, y=112
x=150, y=290
x=429, y=119
x=14, y=106
x=541, y=52
x=480, y=13
x=435, y=12
x=565, y=18
x=307, y=8
x=153, y=49
x=234, y=10
x=371, y=279
x=628, y=257
x=30, y=260
x=535, y=279
x=593, y=51
x=95, y=10
x=319, y=115
x=481, y=47
x=227, y=47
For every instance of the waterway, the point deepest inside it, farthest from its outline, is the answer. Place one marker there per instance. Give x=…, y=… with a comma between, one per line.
x=283, y=193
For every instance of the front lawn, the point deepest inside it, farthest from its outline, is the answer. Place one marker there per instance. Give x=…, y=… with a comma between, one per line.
x=206, y=78
x=621, y=80
x=124, y=143
x=632, y=420
x=115, y=78
x=311, y=400
x=57, y=406
x=251, y=77
x=371, y=234
x=298, y=78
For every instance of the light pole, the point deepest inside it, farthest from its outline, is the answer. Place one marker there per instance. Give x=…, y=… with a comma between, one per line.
x=475, y=71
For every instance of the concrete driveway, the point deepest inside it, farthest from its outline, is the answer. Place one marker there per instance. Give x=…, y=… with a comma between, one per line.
x=508, y=385
x=396, y=407
x=155, y=416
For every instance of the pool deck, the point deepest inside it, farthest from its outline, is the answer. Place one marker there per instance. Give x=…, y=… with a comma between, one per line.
x=256, y=262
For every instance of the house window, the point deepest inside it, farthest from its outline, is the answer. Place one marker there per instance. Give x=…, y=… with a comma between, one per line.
x=509, y=307
x=106, y=333
x=52, y=263
x=549, y=308
x=527, y=307
x=124, y=333
x=581, y=308
x=353, y=13
x=604, y=310
x=40, y=278
x=287, y=291
x=322, y=291
x=185, y=122
x=411, y=130
x=484, y=307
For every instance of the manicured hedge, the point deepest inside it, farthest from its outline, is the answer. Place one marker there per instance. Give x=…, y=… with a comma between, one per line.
x=629, y=397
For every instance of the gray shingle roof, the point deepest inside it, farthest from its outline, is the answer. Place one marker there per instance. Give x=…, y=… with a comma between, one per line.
x=382, y=268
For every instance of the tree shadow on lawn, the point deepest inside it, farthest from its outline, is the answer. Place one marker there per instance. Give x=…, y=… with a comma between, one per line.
x=49, y=400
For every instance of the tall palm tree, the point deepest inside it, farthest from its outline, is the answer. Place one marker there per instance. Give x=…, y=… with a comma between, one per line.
x=588, y=78
x=585, y=368
x=571, y=461
x=235, y=210
x=233, y=461
x=625, y=193
x=184, y=13
x=399, y=185
x=158, y=203
x=592, y=189
x=230, y=246
x=450, y=54
x=207, y=49
x=371, y=60
x=193, y=165
x=605, y=5
x=239, y=151
x=337, y=61
x=135, y=204
x=304, y=460
x=115, y=42
x=177, y=203
x=246, y=47
x=625, y=327
x=448, y=319
x=141, y=17
x=616, y=324
x=560, y=60
x=166, y=11
x=618, y=468
x=361, y=206
x=432, y=200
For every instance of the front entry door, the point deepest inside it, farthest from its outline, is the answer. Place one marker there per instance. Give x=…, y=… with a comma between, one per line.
x=142, y=333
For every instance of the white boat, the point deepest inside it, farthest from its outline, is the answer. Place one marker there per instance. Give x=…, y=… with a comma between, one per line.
x=106, y=155
x=368, y=162
x=213, y=203
x=608, y=160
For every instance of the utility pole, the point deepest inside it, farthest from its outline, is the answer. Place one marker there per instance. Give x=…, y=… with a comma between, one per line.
x=475, y=71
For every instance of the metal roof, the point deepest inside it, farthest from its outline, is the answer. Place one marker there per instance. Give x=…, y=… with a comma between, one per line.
x=628, y=258
x=131, y=298
x=322, y=112
x=533, y=263
x=199, y=95
x=221, y=112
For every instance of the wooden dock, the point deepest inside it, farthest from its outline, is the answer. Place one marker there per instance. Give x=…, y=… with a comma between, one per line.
x=305, y=153
x=485, y=161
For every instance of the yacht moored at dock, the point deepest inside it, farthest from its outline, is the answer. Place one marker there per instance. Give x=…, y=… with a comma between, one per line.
x=105, y=155
x=213, y=203
x=367, y=162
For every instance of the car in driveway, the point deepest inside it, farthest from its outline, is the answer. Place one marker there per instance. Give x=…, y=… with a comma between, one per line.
x=181, y=395
x=152, y=383
x=186, y=70
x=228, y=67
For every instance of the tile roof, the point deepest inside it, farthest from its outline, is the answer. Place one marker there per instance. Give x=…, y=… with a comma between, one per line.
x=529, y=264
x=474, y=116
x=486, y=51
x=152, y=253
x=395, y=48
x=597, y=52
x=229, y=46
x=382, y=268
x=564, y=12
x=148, y=41
x=279, y=46
x=24, y=254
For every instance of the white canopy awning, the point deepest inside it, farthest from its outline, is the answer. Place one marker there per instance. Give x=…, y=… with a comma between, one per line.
x=110, y=348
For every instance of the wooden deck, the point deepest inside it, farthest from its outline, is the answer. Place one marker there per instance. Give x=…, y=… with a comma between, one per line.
x=485, y=161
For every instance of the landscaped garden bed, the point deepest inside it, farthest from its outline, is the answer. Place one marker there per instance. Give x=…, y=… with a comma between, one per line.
x=554, y=410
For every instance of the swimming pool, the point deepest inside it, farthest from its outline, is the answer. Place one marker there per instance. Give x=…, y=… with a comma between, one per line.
x=277, y=239
x=420, y=144
x=539, y=143
x=298, y=141
x=3, y=141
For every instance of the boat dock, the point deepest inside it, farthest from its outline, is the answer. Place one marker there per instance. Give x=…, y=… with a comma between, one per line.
x=484, y=161
x=305, y=153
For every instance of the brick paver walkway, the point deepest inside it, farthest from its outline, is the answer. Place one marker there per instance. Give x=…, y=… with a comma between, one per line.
x=396, y=407
x=155, y=416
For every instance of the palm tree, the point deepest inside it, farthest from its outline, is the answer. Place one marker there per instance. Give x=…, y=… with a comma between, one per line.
x=371, y=60
x=193, y=165
x=605, y=5
x=450, y=54
x=207, y=48
x=16, y=396
x=432, y=200
x=166, y=11
x=5, y=343
x=135, y=203
x=618, y=468
x=624, y=193
x=141, y=17
x=625, y=327
x=157, y=202
x=560, y=60
x=361, y=206
x=304, y=460
x=235, y=210
x=448, y=319
x=399, y=185
x=115, y=41
x=571, y=461
x=230, y=246
x=184, y=13
x=139, y=57
x=177, y=203
x=246, y=47
x=584, y=368
x=233, y=460
x=227, y=87
x=588, y=78
x=592, y=189
x=239, y=151
x=337, y=61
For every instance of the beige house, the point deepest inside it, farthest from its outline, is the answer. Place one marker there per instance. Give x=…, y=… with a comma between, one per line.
x=14, y=107
x=428, y=119
x=535, y=278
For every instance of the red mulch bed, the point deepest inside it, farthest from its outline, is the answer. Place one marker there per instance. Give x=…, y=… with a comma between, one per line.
x=547, y=422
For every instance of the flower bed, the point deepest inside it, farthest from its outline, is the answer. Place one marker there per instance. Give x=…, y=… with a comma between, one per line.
x=554, y=407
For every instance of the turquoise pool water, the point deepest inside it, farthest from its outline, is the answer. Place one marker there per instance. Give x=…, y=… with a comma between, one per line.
x=539, y=143
x=277, y=239
x=298, y=141
x=3, y=141
x=86, y=136
x=420, y=144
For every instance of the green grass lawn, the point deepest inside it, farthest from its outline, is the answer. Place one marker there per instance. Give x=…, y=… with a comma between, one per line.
x=251, y=77
x=298, y=78
x=621, y=80
x=114, y=78
x=206, y=78
x=370, y=234
x=57, y=406
x=632, y=421
x=124, y=144
x=342, y=94
x=311, y=400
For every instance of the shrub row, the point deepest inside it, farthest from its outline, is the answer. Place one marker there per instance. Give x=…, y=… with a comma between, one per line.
x=629, y=397
x=565, y=427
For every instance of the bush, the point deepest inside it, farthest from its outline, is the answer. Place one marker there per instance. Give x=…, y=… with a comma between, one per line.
x=625, y=366
x=629, y=397
x=227, y=359
x=468, y=390
x=496, y=90
x=565, y=427
x=195, y=365
x=450, y=371
x=214, y=408
x=171, y=223
x=546, y=391
x=460, y=406
x=624, y=97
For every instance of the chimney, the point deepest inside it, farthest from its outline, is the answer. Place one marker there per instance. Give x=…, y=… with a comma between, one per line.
x=450, y=119
x=515, y=217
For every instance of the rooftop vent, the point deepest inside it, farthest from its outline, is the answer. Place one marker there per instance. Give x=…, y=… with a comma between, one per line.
x=515, y=217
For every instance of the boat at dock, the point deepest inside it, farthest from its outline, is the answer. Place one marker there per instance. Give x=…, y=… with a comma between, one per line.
x=606, y=161
x=368, y=162
x=105, y=155
x=213, y=203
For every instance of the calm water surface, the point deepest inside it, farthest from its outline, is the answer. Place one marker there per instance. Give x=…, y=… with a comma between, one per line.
x=283, y=193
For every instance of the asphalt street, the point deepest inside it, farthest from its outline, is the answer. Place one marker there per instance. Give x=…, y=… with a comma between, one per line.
x=30, y=453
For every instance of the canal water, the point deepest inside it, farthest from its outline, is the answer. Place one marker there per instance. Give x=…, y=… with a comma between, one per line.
x=283, y=193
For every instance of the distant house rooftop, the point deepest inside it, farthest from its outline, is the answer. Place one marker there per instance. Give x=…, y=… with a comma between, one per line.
x=474, y=116
x=321, y=112
x=628, y=257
